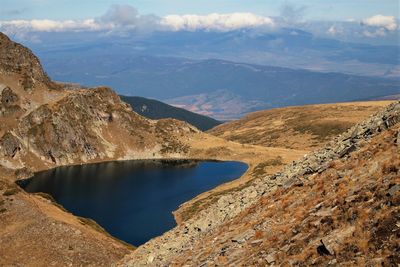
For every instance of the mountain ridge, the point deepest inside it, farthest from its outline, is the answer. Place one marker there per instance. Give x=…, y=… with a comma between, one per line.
x=154, y=109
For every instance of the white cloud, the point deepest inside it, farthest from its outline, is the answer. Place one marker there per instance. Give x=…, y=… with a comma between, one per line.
x=377, y=33
x=215, y=21
x=118, y=17
x=46, y=25
x=387, y=22
x=127, y=18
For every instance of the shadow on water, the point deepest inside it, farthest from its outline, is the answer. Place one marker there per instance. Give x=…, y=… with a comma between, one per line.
x=132, y=200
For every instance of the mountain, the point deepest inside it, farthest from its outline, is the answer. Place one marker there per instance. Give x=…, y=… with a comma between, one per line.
x=334, y=206
x=221, y=89
x=154, y=109
x=281, y=47
x=45, y=124
x=301, y=127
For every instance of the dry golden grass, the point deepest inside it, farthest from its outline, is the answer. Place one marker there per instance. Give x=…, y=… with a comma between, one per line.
x=304, y=127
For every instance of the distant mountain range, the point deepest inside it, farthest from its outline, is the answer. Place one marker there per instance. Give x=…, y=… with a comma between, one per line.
x=199, y=70
x=221, y=89
x=154, y=109
x=285, y=47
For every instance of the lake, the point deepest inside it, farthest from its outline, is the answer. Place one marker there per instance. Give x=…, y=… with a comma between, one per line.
x=132, y=200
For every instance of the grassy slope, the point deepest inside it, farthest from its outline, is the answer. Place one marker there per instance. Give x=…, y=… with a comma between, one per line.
x=301, y=127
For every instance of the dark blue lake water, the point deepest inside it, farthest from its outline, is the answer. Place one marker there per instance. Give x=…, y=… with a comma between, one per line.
x=132, y=200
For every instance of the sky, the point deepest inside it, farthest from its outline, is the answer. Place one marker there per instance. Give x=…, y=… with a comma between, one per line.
x=334, y=10
x=347, y=20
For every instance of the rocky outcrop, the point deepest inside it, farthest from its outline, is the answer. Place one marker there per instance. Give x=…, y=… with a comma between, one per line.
x=91, y=125
x=8, y=101
x=160, y=251
x=8, y=97
x=9, y=145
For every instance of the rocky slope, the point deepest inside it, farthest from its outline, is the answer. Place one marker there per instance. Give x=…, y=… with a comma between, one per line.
x=302, y=127
x=15, y=58
x=321, y=195
x=347, y=215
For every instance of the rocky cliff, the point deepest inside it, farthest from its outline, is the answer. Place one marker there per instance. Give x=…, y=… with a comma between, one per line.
x=235, y=228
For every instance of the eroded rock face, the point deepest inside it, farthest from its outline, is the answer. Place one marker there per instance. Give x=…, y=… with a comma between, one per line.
x=94, y=125
x=8, y=97
x=9, y=145
x=8, y=101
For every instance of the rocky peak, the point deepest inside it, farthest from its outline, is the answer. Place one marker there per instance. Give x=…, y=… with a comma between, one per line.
x=16, y=58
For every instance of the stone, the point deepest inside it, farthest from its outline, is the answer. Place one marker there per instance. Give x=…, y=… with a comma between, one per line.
x=242, y=237
x=270, y=258
x=253, y=194
x=333, y=241
x=150, y=259
x=257, y=241
x=332, y=262
x=346, y=151
x=392, y=191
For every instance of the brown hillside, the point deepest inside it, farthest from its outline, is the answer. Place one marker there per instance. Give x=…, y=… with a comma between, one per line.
x=348, y=215
x=303, y=127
